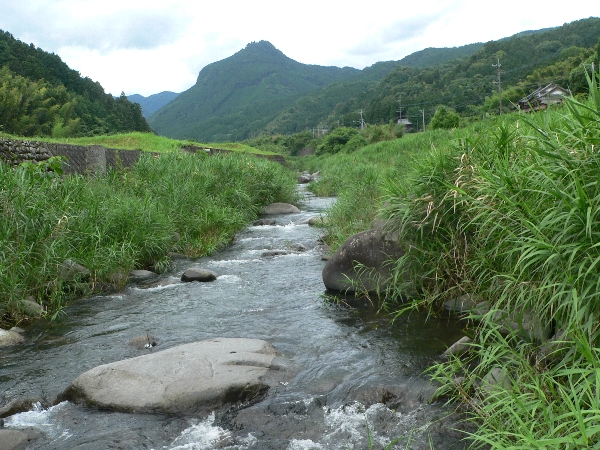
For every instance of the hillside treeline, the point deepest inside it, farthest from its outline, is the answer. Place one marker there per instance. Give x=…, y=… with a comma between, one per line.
x=41, y=96
x=464, y=84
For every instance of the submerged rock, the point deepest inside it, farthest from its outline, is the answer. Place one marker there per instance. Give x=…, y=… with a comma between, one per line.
x=264, y=222
x=141, y=275
x=191, y=378
x=273, y=253
x=279, y=208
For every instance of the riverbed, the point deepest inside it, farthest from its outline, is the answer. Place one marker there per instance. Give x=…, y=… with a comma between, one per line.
x=354, y=380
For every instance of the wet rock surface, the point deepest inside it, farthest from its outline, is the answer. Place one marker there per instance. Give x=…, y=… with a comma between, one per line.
x=279, y=208
x=361, y=262
x=196, y=274
x=190, y=378
x=8, y=337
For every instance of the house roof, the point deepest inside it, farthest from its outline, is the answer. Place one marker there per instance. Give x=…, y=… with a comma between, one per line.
x=544, y=95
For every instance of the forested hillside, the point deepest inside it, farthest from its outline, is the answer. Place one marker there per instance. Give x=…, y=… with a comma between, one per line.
x=41, y=96
x=240, y=94
x=259, y=91
x=528, y=60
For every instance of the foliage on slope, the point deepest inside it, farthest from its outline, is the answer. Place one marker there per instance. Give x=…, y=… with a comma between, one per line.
x=41, y=96
x=239, y=94
x=466, y=84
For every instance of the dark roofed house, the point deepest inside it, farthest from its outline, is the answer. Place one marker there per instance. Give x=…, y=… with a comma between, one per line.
x=542, y=98
x=408, y=126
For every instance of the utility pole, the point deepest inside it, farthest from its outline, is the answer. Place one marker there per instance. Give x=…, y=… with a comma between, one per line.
x=400, y=109
x=423, y=111
x=499, y=83
x=362, y=122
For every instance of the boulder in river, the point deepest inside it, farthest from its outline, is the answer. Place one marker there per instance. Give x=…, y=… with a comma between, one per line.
x=194, y=378
x=31, y=308
x=13, y=440
x=145, y=341
x=279, y=208
x=361, y=263
x=196, y=274
x=8, y=337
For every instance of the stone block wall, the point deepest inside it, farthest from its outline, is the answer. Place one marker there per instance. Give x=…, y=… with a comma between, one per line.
x=84, y=159
x=15, y=151
x=81, y=159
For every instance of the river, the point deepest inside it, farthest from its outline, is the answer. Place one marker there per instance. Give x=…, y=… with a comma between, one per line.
x=355, y=382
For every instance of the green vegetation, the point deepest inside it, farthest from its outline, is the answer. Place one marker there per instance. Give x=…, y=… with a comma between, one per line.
x=41, y=96
x=463, y=84
x=191, y=204
x=259, y=92
x=236, y=96
x=508, y=211
x=149, y=142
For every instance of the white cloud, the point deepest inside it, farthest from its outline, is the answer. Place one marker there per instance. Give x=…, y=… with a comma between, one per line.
x=148, y=46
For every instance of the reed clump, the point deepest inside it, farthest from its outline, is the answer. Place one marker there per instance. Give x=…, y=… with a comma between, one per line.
x=191, y=204
x=507, y=211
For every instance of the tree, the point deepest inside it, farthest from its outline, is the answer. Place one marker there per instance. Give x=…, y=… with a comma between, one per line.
x=444, y=118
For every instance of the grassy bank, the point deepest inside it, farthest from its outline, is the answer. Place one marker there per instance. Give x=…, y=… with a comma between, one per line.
x=359, y=179
x=149, y=142
x=191, y=204
x=508, y=211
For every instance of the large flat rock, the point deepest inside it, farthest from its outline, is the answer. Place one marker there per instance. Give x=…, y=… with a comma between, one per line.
x=190, y=378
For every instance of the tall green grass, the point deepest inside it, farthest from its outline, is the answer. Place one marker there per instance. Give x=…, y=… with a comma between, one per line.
x=359, y=180
x=123, y=220
x=507, y=210
x=512, y=215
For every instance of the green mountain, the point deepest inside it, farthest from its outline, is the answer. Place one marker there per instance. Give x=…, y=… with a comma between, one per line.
x=437, y=56
x=260, y=91
x=528, y=60
x=242, y=95
x=238, y=95
x=153, y=102
x=41, y=96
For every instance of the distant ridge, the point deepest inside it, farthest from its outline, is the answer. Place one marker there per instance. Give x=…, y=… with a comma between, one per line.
x=239, y=94
x=153, y=102
x=259, y=91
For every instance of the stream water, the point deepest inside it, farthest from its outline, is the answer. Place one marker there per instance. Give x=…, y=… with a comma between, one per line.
x=356, y=382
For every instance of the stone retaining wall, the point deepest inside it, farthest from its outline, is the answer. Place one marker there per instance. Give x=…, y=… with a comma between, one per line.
x=85, y=158
x=80, y=158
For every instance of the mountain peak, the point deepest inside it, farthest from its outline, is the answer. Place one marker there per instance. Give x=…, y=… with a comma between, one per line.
x=262, y=45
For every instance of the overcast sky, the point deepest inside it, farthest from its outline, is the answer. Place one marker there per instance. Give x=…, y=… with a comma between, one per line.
x=149, y=46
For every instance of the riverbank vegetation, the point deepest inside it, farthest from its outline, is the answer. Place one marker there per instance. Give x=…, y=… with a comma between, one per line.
x=175, y=202
x=507, y=212
x=149, y=142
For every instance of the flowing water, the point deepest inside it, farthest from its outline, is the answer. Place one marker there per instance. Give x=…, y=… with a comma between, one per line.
x=356, y=382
